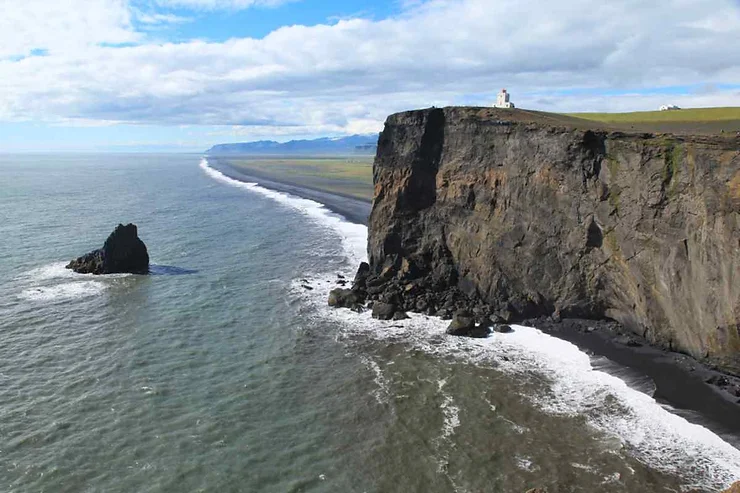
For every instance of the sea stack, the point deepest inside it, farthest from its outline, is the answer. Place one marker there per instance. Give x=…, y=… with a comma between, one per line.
x=122, y=252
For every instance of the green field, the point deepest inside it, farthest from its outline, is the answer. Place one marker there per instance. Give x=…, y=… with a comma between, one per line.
x=351, y=176
x=693, y=120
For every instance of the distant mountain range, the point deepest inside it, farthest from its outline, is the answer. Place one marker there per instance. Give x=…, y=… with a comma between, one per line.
x=354, y=144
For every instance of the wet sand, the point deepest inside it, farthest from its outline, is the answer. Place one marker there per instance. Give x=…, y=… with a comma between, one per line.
x=354, y=209
x=679, y=380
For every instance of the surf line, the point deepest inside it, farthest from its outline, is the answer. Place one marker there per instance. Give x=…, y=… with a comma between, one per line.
x=354, y=236
x=662, y=439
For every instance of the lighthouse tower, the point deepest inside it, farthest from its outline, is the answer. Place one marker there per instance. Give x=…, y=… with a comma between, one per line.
x=502, y=100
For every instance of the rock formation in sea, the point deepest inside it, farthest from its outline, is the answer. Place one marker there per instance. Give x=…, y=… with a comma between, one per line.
x=123, y=252
x=514, y=215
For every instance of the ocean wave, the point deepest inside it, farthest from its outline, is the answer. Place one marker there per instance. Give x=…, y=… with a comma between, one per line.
x=64, y=291
x=450, y=411
x=382, y=391
x=649, y=431
x=354, y=236
x=58, y=270
x=55, y=270
x=54, y=282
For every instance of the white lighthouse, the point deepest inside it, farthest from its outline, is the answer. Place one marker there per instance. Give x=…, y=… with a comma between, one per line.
x=502, y=100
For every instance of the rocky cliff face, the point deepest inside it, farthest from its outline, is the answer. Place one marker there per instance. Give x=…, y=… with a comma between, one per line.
x=518, y=215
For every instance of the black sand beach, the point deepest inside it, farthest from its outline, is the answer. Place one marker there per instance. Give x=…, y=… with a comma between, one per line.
x=352, y=208
x=679, y=380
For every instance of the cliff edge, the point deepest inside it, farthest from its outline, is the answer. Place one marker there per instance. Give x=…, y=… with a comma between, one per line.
x=518, y=214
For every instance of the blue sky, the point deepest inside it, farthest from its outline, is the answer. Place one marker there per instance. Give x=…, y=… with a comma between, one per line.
x=220, y=25
x=138, y=75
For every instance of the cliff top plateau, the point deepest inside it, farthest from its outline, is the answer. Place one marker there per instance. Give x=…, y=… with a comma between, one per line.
x=721, y=122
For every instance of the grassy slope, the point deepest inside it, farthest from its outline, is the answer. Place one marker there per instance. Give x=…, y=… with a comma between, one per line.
x=351, y=176
x=695, y=120
x=692, y=115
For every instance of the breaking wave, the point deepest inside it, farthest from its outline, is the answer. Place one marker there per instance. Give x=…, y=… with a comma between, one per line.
x=647, y=430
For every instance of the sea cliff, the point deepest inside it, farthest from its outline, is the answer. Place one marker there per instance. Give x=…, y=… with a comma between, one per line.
x=515, y=215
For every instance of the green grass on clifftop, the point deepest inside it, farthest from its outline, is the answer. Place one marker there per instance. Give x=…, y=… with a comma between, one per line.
x=693, y=120
x=687, y=115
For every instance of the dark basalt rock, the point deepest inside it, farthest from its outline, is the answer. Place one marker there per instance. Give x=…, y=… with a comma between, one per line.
x=384, y=311
x=344, y=298
x=122, y=252
x=542, y=218
x=463, y=324
x=363, y=271
x=628, y=341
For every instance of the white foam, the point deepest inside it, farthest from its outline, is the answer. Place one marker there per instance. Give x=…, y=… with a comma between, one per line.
x=54, y=282
x=56, y=270
x=353, y=236
x=650, y=432
x=521, y=430
x=646, y=429
x=583, y=467
x=525, y=463
x=64, y=291
x=382, y=393
x=450, y=411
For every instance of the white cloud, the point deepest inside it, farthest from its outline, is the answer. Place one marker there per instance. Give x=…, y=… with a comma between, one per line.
x=346, y=77
x=155, y=19
x=221, y=4
x=62, y=25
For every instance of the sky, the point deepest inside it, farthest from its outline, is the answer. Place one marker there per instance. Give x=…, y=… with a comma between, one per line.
x=182, y=75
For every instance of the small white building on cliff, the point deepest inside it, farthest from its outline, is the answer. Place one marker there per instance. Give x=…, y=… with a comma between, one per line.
x=502, y=100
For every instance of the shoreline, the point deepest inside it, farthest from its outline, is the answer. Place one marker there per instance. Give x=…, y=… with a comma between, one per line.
x=353, y=209
x=680, y=380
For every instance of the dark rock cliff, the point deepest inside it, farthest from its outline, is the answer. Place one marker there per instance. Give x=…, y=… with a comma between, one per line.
x=519, y=215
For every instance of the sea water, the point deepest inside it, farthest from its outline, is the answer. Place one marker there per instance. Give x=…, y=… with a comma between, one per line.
x=222, y=371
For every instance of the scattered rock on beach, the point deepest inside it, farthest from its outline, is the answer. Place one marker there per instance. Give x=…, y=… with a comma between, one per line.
x=344, y=298
x=628, y=341
x=718, y=380
x=463, y=324
x=444, y=314
x=383, y=311
x=123, y=252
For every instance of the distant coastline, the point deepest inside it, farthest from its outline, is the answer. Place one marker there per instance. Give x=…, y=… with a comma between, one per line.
x=354, y=209
x=325, y=146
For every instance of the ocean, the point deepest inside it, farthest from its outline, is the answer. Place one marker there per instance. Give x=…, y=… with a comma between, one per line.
x=222, y=371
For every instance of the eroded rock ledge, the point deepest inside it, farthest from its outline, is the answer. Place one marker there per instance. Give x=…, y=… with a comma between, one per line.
x=511, y=215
